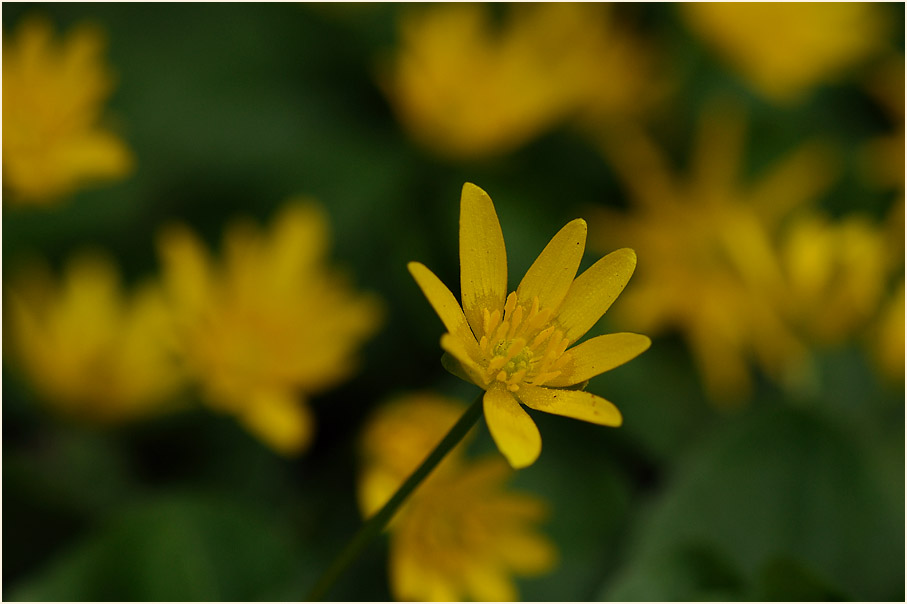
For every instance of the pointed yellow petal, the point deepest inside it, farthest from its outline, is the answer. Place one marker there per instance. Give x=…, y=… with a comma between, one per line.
x=526, y=552
x=412, y=579
x=187, y=267
x=483, y=259
x=553, y=271
x=443, y=302
x=593, y=292
x=512, y=429
x=487, y=583
x=577, y=404
x=460, y=351
x=598, y=355
x=279, y=419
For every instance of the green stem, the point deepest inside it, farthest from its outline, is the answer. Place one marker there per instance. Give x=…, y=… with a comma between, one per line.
x=376, y=523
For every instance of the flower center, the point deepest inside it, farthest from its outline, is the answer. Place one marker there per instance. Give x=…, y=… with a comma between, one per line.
x=522, y=346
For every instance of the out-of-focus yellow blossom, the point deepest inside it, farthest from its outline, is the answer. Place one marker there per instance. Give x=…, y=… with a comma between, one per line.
x=53, y=96
x=712, y=271
x=92, y=352
x=466, y=87
x=399, y=439
x=462, y=534
x=785, y=49
x=837, y=272
x=269, y=324
x=888, y=336
x=884, y=156
x=515, y=346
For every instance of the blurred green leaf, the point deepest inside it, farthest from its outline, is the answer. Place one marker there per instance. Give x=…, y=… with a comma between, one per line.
x=174, y=547
x=785, y=579
x=777, y=481
x=580, y=477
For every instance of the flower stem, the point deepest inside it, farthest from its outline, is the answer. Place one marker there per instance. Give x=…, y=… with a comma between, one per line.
x=376, y=523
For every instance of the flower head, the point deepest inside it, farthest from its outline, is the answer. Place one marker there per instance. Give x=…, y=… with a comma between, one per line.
x=269, y=324
x=837, y=272
x=517, y=346
x=787, y=48
x=887, y=336
x=883, y=156
x=468, y=88
x=746, y=270
x=92, y=352
x=462, y=534
x=53, y=95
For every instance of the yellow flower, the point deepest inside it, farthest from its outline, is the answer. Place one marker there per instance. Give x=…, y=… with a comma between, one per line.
x=713, y=271
x=53, y=95
x=461, y=534
x=786, y=49
x=467, y=88
x=399, y=438
x=837, y=272
x=92, y=352
x=515, y=346
x=269, y=324
x=888, y=336
x=883, y=157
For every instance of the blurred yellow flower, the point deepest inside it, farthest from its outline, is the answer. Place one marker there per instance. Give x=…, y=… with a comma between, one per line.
x=269, y=324
x=712, y=269
x=883, y=157
x=91, y=351
x=398, y=440
x=462, y=534
x=515, y=346
x=785, y=49
x=53, y=95
x=465, y=87
x=837, y=272
x=888, y=336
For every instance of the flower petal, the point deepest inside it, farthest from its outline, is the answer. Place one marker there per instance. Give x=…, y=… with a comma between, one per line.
x=487, y=583
x=414, y=580
x=551, y=274
x=443, y=302
x=279, y=419
x=483, y=259
x=460, y=351
x=577, y=404
x=512, y=429
x=454, y=367
x=598, y=355
x=594, y=291
x=525, y=552
x=187, y=267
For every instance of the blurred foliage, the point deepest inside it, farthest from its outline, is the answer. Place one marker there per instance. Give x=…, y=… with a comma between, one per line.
x=231, y=109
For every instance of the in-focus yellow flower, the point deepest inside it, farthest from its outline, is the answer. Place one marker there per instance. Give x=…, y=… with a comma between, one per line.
x=462, y=534
x=785, y=49
x=466, y=87
x=837, y=273
x=90, y=351
x=515, y=346
x=53, y=95
x=712, y=271
x=269, y=324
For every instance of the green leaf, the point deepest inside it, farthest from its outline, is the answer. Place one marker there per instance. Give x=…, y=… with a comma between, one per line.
x=777, y=482
x=785, y=579
x=176, y=547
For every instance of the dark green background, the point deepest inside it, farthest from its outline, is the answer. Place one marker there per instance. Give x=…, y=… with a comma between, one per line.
x=230, y=110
